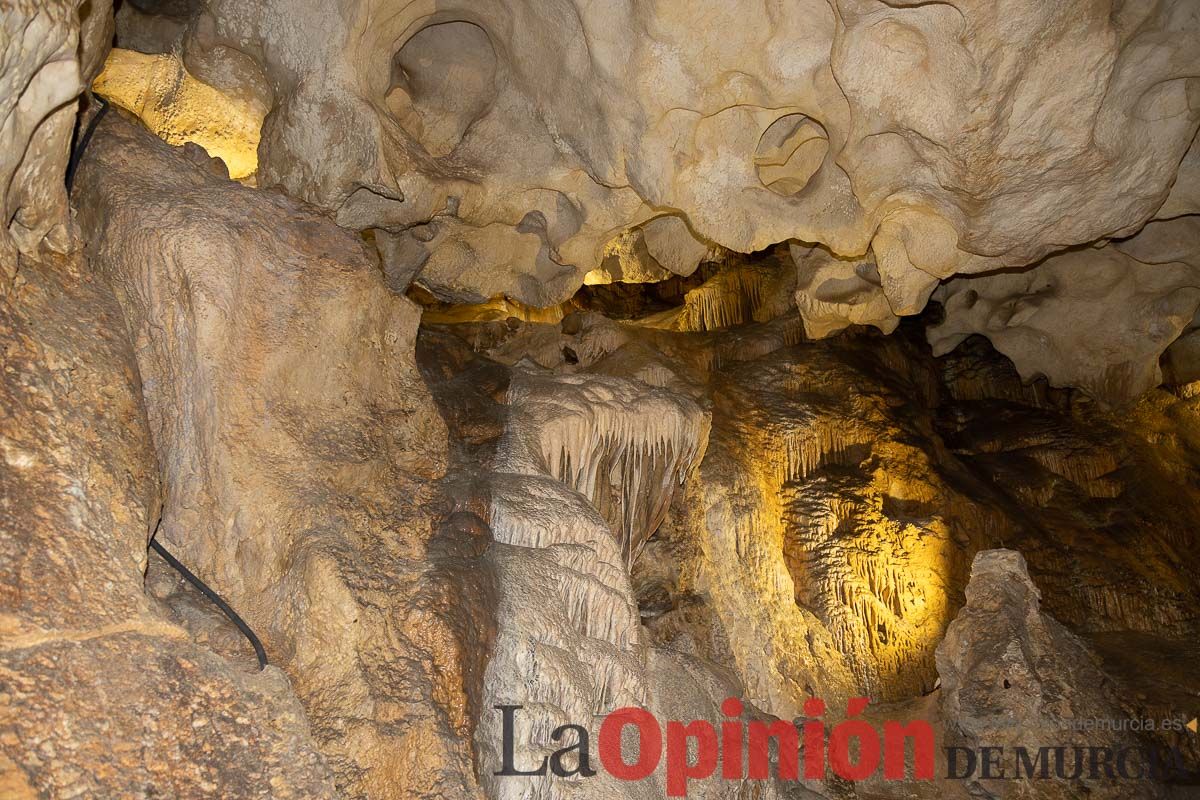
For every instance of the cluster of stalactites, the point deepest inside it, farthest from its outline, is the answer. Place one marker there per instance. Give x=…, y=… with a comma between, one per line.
x=622, y=445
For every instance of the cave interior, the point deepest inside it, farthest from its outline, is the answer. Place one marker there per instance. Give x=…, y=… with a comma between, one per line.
x=372, y=367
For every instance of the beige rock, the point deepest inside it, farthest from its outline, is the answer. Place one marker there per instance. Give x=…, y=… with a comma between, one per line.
x=858, y=125
x=1093, y=318
x=152, y=27
x=1185, y=194
x=39, y=79
x=298, y=449
x=80, y=481
x=738, y=292
x=912, y=143
x=96, y=30
x=833, y=293
x=584, y=469
x=662, y=247
x=1106, y=498
x=833, y=493
x=830, y=543
x=583, y=431
x=825, y=541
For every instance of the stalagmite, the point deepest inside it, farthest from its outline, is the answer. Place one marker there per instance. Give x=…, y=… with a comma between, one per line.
x=584, y=471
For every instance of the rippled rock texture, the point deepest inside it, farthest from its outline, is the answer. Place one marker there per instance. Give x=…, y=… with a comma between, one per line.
x=824, y=543
x=523, y=149
x=298, y=449
x=672, y=486
x=49, y=53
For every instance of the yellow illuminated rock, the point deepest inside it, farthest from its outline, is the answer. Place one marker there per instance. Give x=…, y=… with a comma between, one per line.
x=179, y=108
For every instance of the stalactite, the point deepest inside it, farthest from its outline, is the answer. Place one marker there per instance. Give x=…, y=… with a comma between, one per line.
x=805, y=450
x=1118, y=608
x=1079, y=467
x=622, y=446
x=730, y=297
x=585, y=472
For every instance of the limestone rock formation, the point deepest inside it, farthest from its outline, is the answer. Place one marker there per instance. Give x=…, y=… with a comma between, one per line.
x=823, y=545
x=1002, y=658
x=623, y=446
x=569, y=644
x=845, y=479
x=179, y=108
x=457, y=347
x=1013, y=676
x=50, y=52
x=662, y=247
x=100, y=694
x=912, y=143
x=833, y=293
x=39, y=79
x=153, y=26
x=298, y=449
x=1098, y=319
x=1102, y=503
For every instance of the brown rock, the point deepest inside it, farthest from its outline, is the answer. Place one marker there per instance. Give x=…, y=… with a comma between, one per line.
x=1012, y=676
x=299, y=448
x=100, y=696
x=127, y=714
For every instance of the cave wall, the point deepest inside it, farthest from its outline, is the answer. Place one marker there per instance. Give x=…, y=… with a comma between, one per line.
x=299, y=449
x=700, y=502
x=101, y=694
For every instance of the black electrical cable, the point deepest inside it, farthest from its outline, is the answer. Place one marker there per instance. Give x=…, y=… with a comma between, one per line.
x=72, y=165
x=211, y=595
x=77, y=153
